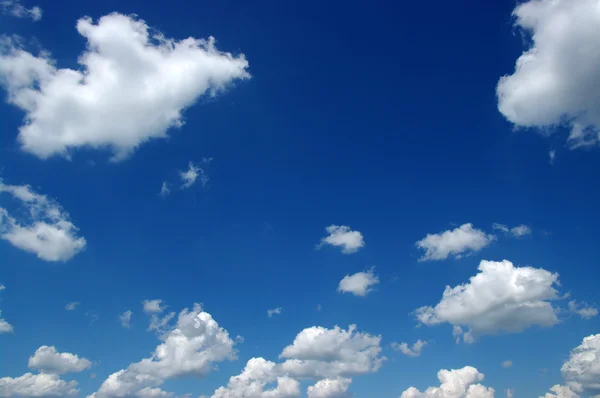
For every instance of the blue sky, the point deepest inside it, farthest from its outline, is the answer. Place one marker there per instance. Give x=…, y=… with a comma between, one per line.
x=389, y=124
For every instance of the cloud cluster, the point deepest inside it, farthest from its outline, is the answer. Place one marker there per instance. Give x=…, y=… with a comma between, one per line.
x=330, y=388
x=500, y=298
x=559, y=391
x=16, y=9
x=582, y=309
x=359, y=284
x=456, y=242
x=133, y=86
x=454, y=383
x=554, y=80
x=46, y=232
x=342, y=236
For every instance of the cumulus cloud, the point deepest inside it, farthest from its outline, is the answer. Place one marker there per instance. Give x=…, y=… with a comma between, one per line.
x=5, y=327
x=358, y=284
x=559, y=391
x=413, y=351
x=16, y=9
x=48, y=360
x=582, y=370
x=500, y=298
x=72, y=305
x=457, y=242
x=517, y=232
x=342, y=236
x=553, y=82
x=133, y=86
x=330, y=388
x=153, y=306
x=582, y=309
x=507, y=364
x=46, y=232
x=274, y=311
x=37, y=385
x=455, y=383
x=191, y=348
x=125, y=319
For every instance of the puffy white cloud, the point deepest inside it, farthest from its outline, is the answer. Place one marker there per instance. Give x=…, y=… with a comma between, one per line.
x=358, y=284
x=252, y=381
x=153, y=306
x=553, y=82
x=16, y=9
x=134, y=85
x=125, y=319
x=457, y=242
x=517, y=232
x=559, y=391
x=5, y=327
x=48, y=360
x=507, y=364
x=330, y=388
x=72, y=305
x=455, y=383
x=342, y=236
x=153, y=392
x=47, y=232
x=500, y=298
x=37, y=385
x=582, y=370
x=413, y=351
x=274, y=311
x=191, y=348
x=582, y=309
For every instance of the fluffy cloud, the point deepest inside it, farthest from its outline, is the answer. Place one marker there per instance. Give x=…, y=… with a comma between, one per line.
x=186, y=350
x=47, y=232
x=48, y=360
x=582, y=309
x=153, y=306
x=457, y=242
x=358, y=284
x=134, y=84
x=553, y=80
x=559, y=391
x=16, y=9
x=455, y=383
x=330, y=388
x=5, y=327
x=37, y=385
x=125, y=319
x=582, y=370
x=517, y=232
x=413, y=351
x=500, y=298
x=72, y=305
x=342, y=236
x=274, y=311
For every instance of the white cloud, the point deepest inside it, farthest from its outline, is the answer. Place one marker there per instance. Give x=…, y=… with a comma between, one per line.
x=189, y=177
x=125, y=319
x=153, y=392
x=160, y=323
x=342, y=236
x=552, y=156
x=37, y=385
x=457, y=242
x=507, y=364
x=72, y=305
x=47, y=232
x=553, y=80
x=274, y=311
x=133, y=86
x=413, y=351
x=186, y=350
x=582, y=309
x=5, y=327
x=330, y=388
x=455, y=383
x=48, y=360
x=2, y=287
x=358, y=284
x=582, y=370
x=153, y=306
x=510, y=393
x=500, y=298
x=165, y=189
x=16, y=9
x=517, y=232
x=559, y=391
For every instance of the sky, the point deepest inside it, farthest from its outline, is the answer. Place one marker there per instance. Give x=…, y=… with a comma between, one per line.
x=299, y=199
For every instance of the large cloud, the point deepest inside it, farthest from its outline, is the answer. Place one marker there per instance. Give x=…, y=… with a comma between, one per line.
x=456, y=242
x=134, y=85
x=455, y=383
x=47, y=232
x=48, y=360
x=582, y=370
x=500, y=298
x=555, y=80
x=191, y=348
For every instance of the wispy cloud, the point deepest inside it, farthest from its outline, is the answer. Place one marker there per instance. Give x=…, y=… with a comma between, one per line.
x=274, y=311
x=16, y=9
x=72, y=305
x=125, y=319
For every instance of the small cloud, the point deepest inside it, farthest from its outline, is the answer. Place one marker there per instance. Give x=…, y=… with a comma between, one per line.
x=159, y=324
x=72, y=305
x=342, y=236
x=92, y=316
x=517, y=232
x=16, y=9
x=2, y=287
x=458, y=242
x=358, y=284
x=164, y=189
x=507, y=364
x=319, y=307
x=510, y=393
x=552, y=156
x=582, y=309
x=274, y=311
x=190, y=176
x=125, y=319
x=153, y=306
x=413, y=351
